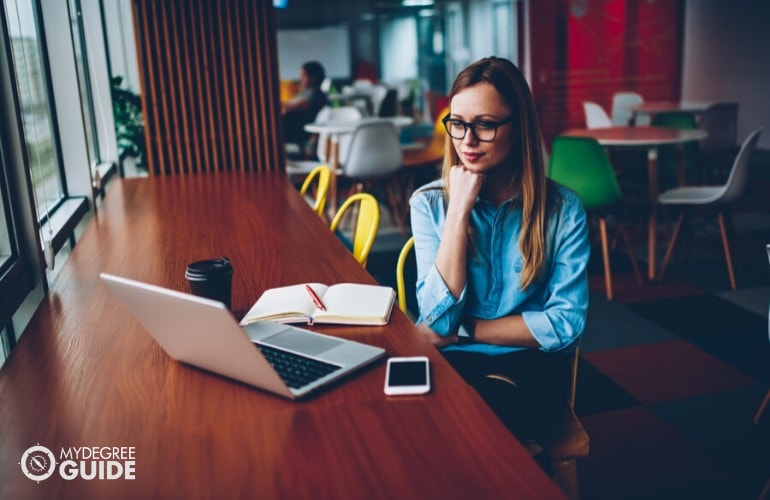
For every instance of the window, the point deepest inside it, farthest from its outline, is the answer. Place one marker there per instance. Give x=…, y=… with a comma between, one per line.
x=399, y=36
x=503, y=33
x=80, y=48
x=15, y=282
x=27, y=47
x=33, y=180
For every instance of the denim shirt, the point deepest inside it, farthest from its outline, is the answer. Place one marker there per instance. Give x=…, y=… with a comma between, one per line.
x=553, y=308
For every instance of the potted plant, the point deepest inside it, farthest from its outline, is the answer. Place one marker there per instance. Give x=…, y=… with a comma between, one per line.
x=129, y=124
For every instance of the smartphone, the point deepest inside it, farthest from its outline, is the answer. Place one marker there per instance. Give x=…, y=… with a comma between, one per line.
x=407, y=375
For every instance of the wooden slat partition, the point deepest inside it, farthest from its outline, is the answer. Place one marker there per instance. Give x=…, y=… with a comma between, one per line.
x=210, y=94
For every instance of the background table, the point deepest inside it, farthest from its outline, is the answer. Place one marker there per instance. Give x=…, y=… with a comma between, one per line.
x=649, y=138
x=656, y=107
x=85, y=373
x=334, y=130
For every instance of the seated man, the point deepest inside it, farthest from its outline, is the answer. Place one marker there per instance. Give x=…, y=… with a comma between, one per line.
x=303, y=108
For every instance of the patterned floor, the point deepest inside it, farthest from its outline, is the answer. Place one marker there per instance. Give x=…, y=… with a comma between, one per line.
x=672, y=373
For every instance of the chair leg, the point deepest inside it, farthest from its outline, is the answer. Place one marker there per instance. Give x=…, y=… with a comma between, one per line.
x=671, y=245
x=565, y=476
x=726, y=246
x=765, y=494
x=395, y=201
x=762, y=408
x=624, y=235
x=606, y=257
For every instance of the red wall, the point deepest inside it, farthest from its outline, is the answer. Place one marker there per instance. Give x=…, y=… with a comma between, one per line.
x=587, y=50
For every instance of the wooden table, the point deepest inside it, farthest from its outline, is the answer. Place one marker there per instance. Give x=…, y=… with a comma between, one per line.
x=85, y=373
x=656, y=107
x=649, y=138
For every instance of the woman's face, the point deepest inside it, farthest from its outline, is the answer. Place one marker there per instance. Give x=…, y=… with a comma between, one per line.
x=482, y=103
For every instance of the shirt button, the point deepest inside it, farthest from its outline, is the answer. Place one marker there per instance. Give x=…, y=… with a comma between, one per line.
x=430, y=319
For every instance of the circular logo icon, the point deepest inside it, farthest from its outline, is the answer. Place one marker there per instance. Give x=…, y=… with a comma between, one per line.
x=38, y=463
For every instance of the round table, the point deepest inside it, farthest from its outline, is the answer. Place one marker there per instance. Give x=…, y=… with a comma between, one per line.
x=649, y=138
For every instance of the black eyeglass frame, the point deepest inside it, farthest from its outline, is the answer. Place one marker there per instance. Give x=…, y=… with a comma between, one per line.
x=472, y=126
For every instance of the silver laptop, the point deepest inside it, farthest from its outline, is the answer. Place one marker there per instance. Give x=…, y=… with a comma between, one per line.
x=282, y=359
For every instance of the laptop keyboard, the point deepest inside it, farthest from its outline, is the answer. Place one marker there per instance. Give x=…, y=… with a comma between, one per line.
x=296, y=370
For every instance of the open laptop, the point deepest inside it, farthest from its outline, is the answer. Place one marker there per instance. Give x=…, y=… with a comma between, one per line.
x=282, y=359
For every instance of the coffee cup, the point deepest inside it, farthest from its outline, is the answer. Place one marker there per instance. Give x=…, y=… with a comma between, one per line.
x=212, y=279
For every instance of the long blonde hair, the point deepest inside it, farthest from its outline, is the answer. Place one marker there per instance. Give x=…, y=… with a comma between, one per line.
x=529, y=178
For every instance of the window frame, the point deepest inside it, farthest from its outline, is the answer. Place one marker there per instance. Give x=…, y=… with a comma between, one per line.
x=23, y=273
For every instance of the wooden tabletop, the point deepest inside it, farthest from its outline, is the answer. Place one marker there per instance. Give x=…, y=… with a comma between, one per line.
x=639, y=136
x=86, y=374
x=653, y=107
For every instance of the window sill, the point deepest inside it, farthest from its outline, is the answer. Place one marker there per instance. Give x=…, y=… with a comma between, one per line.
x=106, y=171
x=64, y=220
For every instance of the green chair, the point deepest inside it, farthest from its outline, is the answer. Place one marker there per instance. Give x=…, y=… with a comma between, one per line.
x=581, y=164
x=668, y=156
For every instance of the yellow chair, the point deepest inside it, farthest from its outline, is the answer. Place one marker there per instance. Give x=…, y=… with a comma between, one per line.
x=366, y=223
x=324, y=174
x=400, y=280
x=289, y=88
x=568, y=442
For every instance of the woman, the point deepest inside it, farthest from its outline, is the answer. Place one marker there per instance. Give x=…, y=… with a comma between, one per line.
x=303, y=108
x=501, y=252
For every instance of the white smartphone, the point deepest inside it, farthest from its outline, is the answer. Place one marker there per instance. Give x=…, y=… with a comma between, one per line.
x=407, y=375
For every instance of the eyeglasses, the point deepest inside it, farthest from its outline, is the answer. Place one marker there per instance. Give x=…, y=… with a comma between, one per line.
x=482, y=130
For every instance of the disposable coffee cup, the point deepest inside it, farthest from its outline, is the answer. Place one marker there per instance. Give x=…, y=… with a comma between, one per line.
x=212, y=279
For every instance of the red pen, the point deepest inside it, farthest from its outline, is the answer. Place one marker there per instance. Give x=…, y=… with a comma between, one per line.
x=316, y=299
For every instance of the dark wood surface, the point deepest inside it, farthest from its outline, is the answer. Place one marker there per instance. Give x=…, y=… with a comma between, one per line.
x=85, y=373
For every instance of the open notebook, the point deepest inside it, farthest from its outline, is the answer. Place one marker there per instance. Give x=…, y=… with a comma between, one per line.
x=346, y=303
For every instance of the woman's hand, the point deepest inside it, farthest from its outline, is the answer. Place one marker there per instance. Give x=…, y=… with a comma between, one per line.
x=464, y=188
x=437, y=340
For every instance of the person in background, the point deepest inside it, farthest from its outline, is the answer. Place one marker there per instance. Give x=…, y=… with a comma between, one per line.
x=502, y=254
x=303, y=108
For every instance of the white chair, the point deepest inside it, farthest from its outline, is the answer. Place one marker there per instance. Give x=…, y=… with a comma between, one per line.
x=328, y=114
x=720, y=121
x=343, y=114
x=718, y=197
x=596, y=117
x=373, y=157
x=622, y=104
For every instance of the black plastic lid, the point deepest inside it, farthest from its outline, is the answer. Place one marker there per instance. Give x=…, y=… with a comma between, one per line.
x=209, y=267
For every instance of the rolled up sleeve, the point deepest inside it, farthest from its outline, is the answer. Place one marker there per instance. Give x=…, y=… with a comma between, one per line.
x=562, y=320
x=438, y=308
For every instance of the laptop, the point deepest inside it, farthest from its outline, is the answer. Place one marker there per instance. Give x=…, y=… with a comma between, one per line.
x=285, y=360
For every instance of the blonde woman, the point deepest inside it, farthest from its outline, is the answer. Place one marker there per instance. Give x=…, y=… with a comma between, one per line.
x=501, y=252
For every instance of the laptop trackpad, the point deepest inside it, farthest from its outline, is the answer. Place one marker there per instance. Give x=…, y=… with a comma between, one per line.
x=299, y=341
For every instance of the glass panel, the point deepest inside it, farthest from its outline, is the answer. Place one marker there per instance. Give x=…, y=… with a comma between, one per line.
x=503, y=33
x=399, y=36
x=80, y=48
x=6, y=348
x=5, y=237
x=33, y=95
